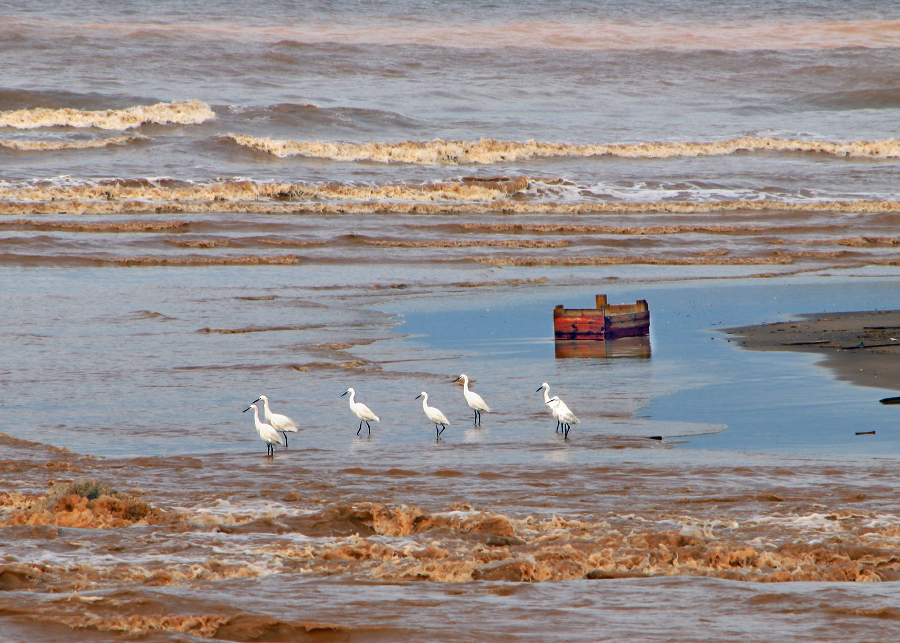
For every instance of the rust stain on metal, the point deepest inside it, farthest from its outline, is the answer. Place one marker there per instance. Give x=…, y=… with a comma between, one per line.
x=606, y=321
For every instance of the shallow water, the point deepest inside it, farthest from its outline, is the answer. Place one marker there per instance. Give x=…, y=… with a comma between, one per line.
x=126, y=362
x=697, y=384
x=401, y=535
x=199, y=205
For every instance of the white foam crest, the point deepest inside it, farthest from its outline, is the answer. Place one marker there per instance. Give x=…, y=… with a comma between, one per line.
x=189, y=112
x=488, y=151
x=49, y=146
x=642, y=192
x=638, y=193
x=224, y=512
x=815, y=522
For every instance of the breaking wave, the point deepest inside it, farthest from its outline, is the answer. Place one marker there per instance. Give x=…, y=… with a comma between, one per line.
x=190, y=112
x=49, y=146
x=402, y=543
x=145, y=192
x=70, y=226
x=466, y=195
x=488, y=151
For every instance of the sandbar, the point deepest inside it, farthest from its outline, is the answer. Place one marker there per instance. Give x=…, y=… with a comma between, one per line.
x=860, y=347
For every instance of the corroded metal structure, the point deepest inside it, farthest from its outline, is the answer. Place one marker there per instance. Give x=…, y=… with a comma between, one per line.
x=605, y=322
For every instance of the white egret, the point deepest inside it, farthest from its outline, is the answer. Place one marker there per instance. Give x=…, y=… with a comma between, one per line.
x=552, y=407
x=282, y=423
x=433, y=414
x=267, y=432
x=473, y=399
x=363, y=412
x=566, y=417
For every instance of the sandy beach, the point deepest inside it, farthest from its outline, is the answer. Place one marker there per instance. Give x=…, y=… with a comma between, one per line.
x=860, y=347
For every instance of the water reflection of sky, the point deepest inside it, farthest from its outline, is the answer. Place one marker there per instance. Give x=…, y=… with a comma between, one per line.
x=118, y=362
x=695, y=382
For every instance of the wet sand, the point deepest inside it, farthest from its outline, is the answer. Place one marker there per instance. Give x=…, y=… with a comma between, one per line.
x=859, y=347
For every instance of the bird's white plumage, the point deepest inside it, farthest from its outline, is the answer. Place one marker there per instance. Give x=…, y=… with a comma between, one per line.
x=473, y=399
x=281, y=423
x=267, y=432
x=552, y=407
x=562, y=412
x=434, y=414
x=361, y=411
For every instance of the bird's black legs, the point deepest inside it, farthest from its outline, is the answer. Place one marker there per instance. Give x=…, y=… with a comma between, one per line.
x=557, y=426
x=567, y=427
x=270, y=450
x=360, y=427
x=285, y=440
x=442, y=429
x=439, y=432
x=369, y=426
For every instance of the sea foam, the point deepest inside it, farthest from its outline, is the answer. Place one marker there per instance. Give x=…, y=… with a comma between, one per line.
x=488, y=151
x=190, y=112
x=49, y=146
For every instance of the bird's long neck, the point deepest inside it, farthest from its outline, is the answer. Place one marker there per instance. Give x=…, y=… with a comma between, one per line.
x=256, y=416
x=466, y=384
x=425, y=401
x=266, y=412
x=352, y=395
x=546, y=394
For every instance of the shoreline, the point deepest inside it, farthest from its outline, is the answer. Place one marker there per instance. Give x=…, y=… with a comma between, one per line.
x=856, y=346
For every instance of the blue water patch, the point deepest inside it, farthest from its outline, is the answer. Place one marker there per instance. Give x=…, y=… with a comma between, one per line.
x=696, y=382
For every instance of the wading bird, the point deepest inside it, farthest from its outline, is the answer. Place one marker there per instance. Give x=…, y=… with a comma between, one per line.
x=473, y=399
x=552, y=407
x=363, y=412
x=433, y=414
x=564, y=415
x=267, y=432
x=282, y=423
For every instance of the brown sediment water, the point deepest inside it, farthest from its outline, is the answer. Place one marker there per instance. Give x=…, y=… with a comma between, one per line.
x=239, y=235
x=311, y=520
x=452, y=198
x=510, y=243
x=361, y=532
x=95, y=227
x=214, y=204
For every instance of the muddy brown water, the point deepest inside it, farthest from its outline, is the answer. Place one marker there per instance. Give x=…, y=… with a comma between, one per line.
x=243, y=548
x=199, y=205
x=136, y=379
